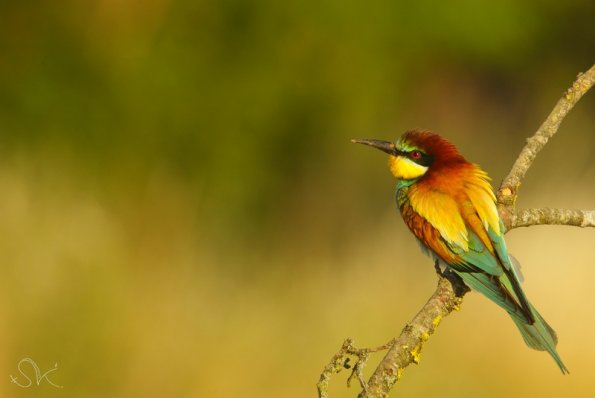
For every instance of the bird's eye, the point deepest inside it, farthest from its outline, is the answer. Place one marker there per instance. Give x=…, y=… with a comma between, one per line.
x=415, y=155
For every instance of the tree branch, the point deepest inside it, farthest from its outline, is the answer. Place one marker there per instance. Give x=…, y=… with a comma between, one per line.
x=449, y=294
x=546, y=216
x=341, y=360
x=508, y=191
x=407, y=348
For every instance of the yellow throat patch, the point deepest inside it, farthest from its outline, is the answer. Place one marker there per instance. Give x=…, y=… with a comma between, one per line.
x=404, y=168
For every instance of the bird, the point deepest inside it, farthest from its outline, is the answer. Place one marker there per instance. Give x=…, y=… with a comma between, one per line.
x=449, y=205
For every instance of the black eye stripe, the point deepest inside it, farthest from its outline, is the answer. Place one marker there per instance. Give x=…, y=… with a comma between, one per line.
x=423, y=160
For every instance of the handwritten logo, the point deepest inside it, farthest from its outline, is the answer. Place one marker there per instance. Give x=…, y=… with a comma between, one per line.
x=39, y=377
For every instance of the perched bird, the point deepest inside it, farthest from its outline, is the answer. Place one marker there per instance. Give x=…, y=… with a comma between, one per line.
x=449, y=205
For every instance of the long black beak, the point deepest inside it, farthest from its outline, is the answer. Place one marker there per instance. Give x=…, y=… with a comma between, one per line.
x=384, y=146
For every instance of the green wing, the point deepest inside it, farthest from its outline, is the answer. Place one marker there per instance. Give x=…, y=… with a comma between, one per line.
x=493, y=275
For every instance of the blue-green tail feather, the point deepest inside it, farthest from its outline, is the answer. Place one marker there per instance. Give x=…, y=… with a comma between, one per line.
x=535, y=331
x=540, y=336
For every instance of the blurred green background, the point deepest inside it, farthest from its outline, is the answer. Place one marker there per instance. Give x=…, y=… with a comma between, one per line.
x=182, y=213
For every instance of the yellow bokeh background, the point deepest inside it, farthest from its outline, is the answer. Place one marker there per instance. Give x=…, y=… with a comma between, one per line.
x=182, y=213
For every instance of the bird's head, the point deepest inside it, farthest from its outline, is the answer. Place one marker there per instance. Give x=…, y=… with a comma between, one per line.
x=416, y=153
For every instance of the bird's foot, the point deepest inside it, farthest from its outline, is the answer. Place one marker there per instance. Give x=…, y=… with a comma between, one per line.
x=458, y=285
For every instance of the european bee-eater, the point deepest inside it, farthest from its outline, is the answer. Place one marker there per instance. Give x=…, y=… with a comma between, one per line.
x=450, y=206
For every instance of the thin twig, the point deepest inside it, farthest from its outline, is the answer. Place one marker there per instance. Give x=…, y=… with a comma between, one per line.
x=336, y=364
x=341, y=360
